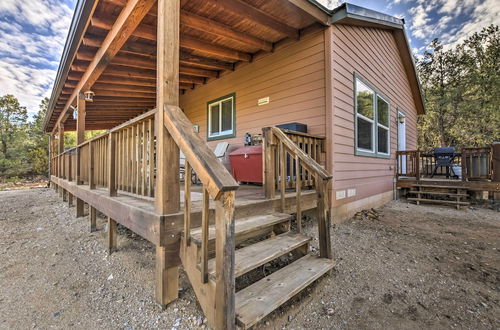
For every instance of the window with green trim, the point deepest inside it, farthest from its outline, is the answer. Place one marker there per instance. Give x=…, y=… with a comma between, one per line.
x=372, y=121
x=221, y=117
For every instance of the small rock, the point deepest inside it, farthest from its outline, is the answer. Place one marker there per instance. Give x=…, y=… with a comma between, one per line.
x=110, y=277
x=56, y=314
x=290, y=318
x=329, y=311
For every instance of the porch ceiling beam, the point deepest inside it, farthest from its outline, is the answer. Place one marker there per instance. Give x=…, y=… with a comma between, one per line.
x=123, y=71
x=125, y=88
x=191, y=79
x=110, y=79
x=198, y=72
x=203, y=62
x=130, y=17
x=259, y=16
x=187, y=42
x=126, y=94
x=204, y=24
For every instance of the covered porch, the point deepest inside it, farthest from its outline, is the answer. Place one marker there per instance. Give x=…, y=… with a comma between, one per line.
x=125, y=66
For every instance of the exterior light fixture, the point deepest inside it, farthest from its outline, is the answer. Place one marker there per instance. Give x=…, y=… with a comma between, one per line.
x=89, y=96
x=72, y=112
x=401, y=118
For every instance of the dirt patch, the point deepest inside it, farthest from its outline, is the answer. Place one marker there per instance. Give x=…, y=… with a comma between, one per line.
x=408, y=267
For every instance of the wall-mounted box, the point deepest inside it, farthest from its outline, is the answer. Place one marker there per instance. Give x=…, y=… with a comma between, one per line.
x=264, y=100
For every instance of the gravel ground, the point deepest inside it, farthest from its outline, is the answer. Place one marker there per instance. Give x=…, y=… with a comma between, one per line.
x=413, y=267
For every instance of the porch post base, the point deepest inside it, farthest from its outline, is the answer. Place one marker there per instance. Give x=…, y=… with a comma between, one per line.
x=79, y=208
x=167, y=278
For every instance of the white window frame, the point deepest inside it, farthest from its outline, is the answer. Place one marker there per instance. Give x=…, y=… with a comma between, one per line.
x=220, y=134
x=373, y=152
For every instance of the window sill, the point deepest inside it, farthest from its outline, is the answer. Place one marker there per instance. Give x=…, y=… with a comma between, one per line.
x=370, y=154
x=221, y=137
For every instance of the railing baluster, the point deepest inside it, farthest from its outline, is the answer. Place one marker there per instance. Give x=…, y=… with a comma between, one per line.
x=144, y=162
x=298, y=189
x=111, y=164
x=187, y=204
x=151, y=158
x=204, y=235
x=282, y=161
x=91, y=165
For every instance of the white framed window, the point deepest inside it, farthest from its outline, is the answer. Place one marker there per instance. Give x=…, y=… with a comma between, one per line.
x=221, y=118
x=372, y=121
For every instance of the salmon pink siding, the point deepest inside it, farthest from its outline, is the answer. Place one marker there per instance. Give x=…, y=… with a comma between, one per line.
x=372, y=54
x=293, y=78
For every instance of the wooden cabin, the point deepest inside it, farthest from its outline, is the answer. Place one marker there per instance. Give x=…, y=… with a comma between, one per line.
x=171, y=79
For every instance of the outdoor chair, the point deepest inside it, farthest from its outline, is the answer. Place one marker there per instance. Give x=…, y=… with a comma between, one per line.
x=219, y=151
x=444, y=157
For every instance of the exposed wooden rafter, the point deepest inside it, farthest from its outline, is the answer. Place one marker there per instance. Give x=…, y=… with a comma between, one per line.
x=128, y=20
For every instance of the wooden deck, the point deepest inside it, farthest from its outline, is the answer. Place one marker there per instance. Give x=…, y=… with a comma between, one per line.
x=485, y=185
x=138, y=214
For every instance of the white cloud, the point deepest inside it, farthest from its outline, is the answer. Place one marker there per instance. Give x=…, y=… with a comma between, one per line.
x=32, y=37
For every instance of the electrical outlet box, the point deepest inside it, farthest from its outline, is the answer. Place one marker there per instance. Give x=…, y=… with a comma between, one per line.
x=351, y=192
x=340, y=194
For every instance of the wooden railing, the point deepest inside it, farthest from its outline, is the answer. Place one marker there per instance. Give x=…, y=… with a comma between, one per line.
x=122, y=159
x=281, y=155
x=475, y=164
x=313, y=146
x=219, y=185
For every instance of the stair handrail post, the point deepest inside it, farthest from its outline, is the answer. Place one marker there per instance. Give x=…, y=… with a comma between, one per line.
x=220, y=185
x=269, y=163
x=225, y=246
x=322, y=183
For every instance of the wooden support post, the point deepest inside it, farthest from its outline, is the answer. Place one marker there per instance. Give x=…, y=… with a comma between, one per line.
x=225, y=291
x=61, y=157
x=70, y=199
x=80, y=138
x=112, y=235
x=111, y=164
x=167, y=278
x=167, y=188
x=92, y=218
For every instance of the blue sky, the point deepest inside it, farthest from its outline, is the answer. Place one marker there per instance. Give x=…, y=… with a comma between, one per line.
x=33, y=32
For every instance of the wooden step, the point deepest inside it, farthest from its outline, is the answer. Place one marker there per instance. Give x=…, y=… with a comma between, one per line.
x=261, y=298
x=437, y=201
x=258, y=254
x=244, y=226
x=441, y=193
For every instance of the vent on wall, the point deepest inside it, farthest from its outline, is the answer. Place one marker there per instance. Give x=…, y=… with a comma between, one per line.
x=340, y=194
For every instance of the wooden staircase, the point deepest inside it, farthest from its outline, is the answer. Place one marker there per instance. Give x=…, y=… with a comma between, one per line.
x=231, y=242
x=447, y=195
x=259, y=240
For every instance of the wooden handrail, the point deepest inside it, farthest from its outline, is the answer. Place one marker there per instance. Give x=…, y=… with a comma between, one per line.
x=275, y=137
x=211, y=172
x=132, y=121
x=307, y=161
